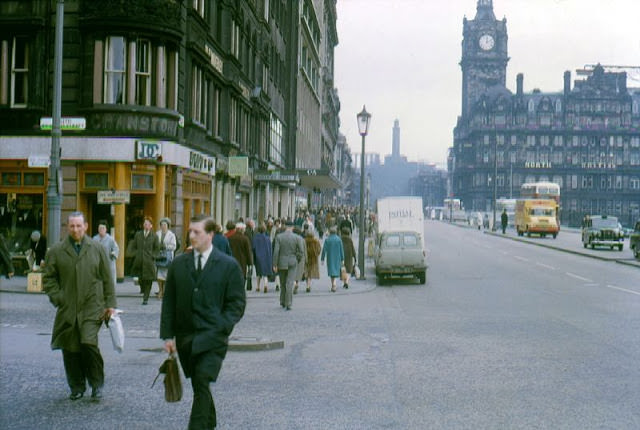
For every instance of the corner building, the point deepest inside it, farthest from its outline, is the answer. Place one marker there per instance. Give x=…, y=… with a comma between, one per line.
x=586, y=138
x=172, y=94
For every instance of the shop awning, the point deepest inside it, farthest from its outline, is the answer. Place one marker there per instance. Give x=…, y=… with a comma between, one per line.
x=318, y=178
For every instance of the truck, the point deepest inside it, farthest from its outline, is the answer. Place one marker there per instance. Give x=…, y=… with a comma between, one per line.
x=400, y=239
x=537, y=216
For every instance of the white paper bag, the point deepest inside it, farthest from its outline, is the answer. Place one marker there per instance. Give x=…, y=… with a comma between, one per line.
x=116, y=330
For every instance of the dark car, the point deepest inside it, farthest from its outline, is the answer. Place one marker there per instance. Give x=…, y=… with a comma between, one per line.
x=602, y=230
x=634, y=240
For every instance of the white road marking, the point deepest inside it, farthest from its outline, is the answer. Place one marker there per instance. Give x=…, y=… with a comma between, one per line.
x=624, y=289
x=521, y=258
x=578, y=277
x=546, y=266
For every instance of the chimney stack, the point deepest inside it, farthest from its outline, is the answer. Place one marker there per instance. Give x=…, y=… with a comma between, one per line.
x=567, y=83
x=519, y=81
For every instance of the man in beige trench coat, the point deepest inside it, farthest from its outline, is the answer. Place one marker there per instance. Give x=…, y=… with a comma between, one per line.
x=77, y=279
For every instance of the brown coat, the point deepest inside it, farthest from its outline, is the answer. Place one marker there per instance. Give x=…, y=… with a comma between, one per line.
x=241, y=250
x=349, y=253
x=312, y=268
x=81, y=288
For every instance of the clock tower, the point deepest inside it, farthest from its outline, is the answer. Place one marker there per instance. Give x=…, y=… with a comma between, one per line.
x=484, y=54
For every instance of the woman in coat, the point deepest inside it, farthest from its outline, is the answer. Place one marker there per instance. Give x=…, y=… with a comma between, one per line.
x=110, y=246
x=333, y=251
x=168, y=246
x=263, y=257
x=144, y=248
x=349, y=255
x=312, y=269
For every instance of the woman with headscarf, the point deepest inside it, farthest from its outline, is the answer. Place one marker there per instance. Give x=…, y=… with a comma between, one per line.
x=110, y=246
x=144, y=248
x=168, y=246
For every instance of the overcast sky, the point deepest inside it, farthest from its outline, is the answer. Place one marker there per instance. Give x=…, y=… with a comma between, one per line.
x=400, y=58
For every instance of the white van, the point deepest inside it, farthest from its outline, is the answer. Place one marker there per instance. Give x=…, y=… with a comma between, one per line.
x=399, y=242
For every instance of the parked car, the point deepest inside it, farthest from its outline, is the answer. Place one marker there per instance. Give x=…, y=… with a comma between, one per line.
x=634, y=240
x=602, y=230
x=400, y=253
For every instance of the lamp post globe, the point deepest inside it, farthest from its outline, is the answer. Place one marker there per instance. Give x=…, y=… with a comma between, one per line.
x=364, y=118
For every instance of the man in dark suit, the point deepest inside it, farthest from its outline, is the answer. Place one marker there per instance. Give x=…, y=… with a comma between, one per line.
x=204, y=298
x=289, y=250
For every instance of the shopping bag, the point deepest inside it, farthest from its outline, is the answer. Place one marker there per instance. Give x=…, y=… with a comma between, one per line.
x=356, y=271
x=172, y=382
x=114, y=323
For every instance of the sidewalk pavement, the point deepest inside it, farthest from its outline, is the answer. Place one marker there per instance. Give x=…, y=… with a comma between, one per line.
x=322, y=286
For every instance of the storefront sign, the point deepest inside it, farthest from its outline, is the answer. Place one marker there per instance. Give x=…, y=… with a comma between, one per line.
x=137, y=123
x=598, y=165
x=39, y=161
x=112, y=197
x=276, y=176
x=202, y=163
x=214, y=58
x=238, y=166
x=537, y=165
x=66, y=123
x=148, y=150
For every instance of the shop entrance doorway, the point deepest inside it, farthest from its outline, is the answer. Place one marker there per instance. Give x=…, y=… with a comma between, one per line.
x=97, y=212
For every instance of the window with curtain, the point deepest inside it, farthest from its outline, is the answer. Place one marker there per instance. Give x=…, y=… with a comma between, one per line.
x=115, y=70
x=19, y=72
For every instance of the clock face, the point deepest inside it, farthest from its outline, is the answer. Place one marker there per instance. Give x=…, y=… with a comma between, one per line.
x=486, y=42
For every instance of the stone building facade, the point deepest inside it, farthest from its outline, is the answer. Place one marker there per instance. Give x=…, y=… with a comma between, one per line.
x=186, y=107
x=586, y=138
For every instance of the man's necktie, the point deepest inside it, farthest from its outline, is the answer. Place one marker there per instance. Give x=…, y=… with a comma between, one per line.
x=199, y=267
x=77, y=248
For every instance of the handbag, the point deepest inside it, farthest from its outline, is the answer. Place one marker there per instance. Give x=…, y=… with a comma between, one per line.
x=172, y=382
x=114, y=323
x=344, y=276
x=356, y=271
x=163, y=259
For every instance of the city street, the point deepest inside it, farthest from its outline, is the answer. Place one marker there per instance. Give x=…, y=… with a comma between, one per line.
x=503, y=335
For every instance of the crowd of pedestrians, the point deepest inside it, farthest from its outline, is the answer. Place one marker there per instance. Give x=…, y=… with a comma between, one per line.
x=216, y=268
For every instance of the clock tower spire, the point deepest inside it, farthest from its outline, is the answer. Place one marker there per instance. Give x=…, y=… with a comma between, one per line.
x=484, y=54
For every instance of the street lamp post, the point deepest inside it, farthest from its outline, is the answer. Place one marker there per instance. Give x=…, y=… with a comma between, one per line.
x=54, y=186
x=363, y=128
x=495, y=174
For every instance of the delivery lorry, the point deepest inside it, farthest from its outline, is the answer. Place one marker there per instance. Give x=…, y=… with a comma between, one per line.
x=400, y=239
x=537, y=216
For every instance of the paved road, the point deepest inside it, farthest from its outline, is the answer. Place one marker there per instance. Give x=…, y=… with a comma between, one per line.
x=504, y=335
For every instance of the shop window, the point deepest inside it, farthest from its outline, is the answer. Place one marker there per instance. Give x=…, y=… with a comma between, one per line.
x=33, y=179
x=96, y=180
x=142, y=182
x=11, y=178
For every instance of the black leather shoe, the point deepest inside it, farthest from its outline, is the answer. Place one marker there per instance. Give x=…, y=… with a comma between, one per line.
x=76, y=395
x=288, y=308
x=96, y=394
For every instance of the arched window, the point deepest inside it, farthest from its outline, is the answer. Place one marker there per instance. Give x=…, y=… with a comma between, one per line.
x=558, y=106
